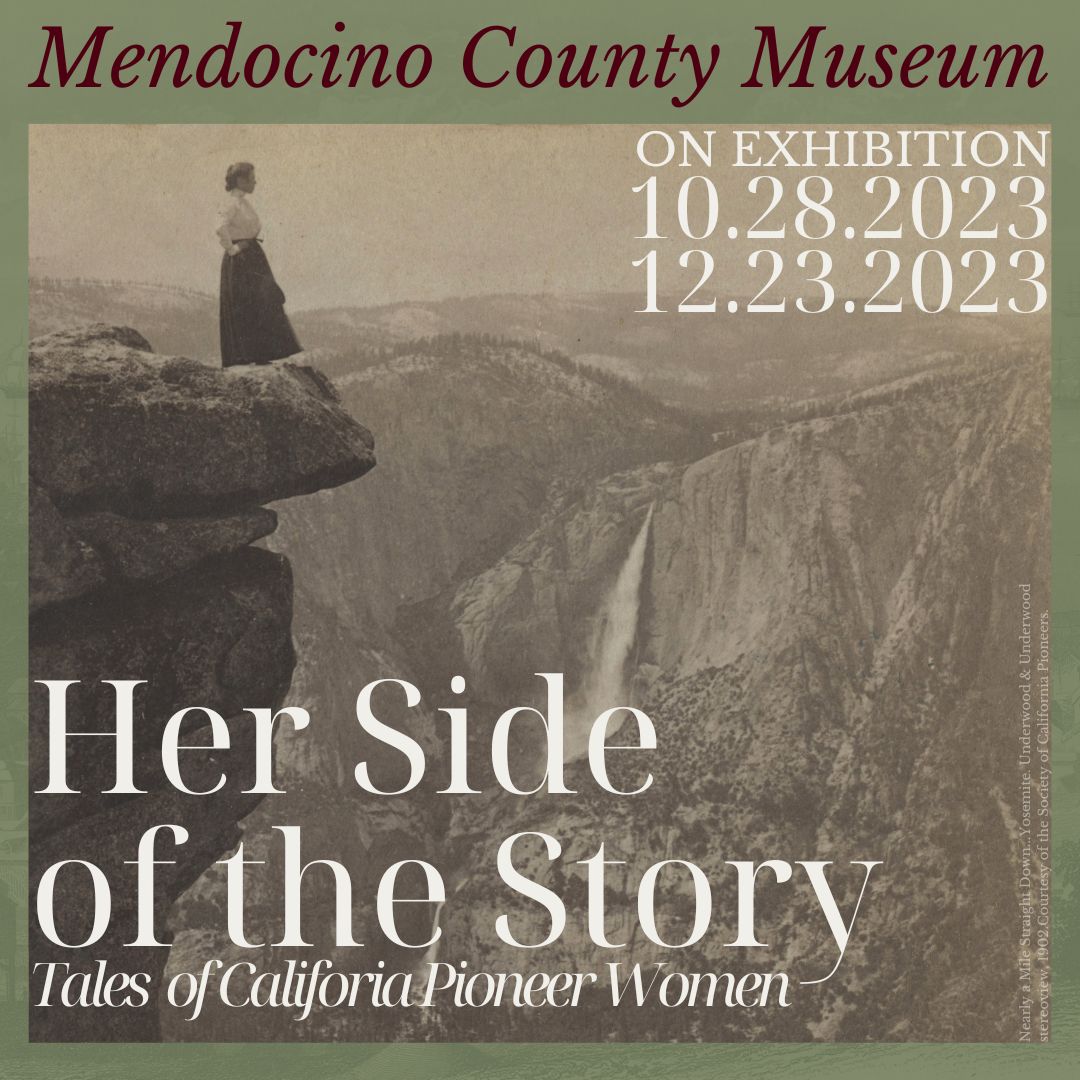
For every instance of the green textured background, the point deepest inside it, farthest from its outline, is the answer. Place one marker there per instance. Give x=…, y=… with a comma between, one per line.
x=447, y=97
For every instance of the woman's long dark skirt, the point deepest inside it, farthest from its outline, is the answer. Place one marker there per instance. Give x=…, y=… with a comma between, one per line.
x=254, y=326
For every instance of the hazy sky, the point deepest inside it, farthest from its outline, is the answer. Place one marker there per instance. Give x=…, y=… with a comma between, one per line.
x=367, y=214
x=351, y=214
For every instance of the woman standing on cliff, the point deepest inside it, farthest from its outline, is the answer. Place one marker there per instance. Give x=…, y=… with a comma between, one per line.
x=254, y=326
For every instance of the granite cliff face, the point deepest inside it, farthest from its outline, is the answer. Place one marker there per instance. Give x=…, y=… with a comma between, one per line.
x=825, y=640
x=148, y=479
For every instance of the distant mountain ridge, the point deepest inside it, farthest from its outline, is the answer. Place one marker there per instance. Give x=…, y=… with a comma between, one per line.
x=176, y=322
x=700, y=361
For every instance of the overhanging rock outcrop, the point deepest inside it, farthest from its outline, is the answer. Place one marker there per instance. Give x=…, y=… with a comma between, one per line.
x=181, y=438
x=148, y=476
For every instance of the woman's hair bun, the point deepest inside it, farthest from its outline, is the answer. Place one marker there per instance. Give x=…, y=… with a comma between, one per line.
x=235, y=171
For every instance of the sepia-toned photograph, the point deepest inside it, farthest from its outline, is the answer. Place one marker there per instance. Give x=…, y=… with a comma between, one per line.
x=537, y=584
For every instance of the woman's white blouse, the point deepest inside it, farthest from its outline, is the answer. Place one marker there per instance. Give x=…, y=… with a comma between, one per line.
x=237, y=220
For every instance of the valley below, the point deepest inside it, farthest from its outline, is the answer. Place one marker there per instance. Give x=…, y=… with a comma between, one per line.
x=807, y=582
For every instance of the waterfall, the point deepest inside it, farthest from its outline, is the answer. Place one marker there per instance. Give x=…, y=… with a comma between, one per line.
x=613, y=634
x=431, y=954
x=420, y=968
x=604, y=685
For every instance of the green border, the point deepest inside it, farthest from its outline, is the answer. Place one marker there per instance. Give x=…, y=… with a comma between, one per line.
x=447, y=98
